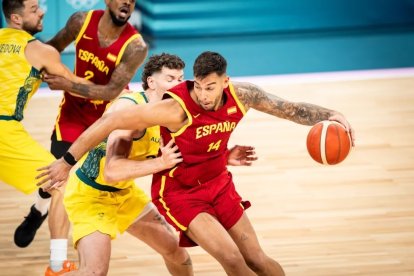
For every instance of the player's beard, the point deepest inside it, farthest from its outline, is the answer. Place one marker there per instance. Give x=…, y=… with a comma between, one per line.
x=118, y=22
x=32, y=29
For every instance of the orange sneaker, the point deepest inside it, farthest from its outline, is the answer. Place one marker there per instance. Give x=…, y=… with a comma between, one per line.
x=67, y=266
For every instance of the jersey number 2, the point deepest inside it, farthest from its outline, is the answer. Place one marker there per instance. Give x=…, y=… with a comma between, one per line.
x=88, y=75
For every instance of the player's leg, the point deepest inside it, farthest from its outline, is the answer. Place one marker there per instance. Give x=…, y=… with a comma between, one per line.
x=20, y=156
x=151, y=228
x=94, y=252
x=229, y=209
x=245, y=237
x=59, y=230
x=58, y=221
x=207, y=232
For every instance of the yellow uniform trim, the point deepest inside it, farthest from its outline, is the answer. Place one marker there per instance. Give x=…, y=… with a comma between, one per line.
x=241, y=106
x=189, y=116
x=121, y=52
x=182, y=227
x=171, y=173
x=84, y=26
x=57, y=127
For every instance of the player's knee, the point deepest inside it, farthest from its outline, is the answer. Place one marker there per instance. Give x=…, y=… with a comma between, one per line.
x=232, y=260
x=261, y=264
x=172, y=251
x=256, y=262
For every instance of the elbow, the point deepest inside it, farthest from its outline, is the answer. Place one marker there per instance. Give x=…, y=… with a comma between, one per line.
x=110, y=175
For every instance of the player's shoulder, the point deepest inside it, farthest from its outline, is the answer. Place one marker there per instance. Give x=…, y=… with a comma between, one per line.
x=40, y=48
x=137, y=97
x=137, y=43
x=76, y=20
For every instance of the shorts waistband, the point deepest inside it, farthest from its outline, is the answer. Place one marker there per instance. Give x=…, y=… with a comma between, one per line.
x=85, y=179
x=7, y=118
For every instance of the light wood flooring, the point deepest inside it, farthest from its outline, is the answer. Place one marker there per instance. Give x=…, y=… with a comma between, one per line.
x=355, y=218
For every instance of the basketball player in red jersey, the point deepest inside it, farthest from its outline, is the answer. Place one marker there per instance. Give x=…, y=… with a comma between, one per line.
x=108, y=53
x=198, y=196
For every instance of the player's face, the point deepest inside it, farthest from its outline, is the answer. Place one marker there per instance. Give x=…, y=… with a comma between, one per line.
x=209, y=90
x=120, y=10
x=166, y=79
x=32, y=17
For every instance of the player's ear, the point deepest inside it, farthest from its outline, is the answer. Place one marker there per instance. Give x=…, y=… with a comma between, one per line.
x=151, y=82
x=226, y=80
x=16, y=19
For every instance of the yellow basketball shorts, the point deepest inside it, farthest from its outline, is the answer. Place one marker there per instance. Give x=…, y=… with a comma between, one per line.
x=20, y=156
x=92, y=210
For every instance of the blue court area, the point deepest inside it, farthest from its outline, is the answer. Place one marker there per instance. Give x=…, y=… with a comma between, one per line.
x=267, y=37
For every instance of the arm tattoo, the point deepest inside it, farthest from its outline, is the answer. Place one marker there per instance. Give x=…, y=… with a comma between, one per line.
x=255, y=97
x=133, y=57
x=81, y=89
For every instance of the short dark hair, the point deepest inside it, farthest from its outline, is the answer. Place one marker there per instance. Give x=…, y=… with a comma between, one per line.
x=12, y=6
x=209, y=62
x=155, y=64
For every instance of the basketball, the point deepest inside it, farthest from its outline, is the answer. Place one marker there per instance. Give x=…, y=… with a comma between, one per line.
x=328, y=143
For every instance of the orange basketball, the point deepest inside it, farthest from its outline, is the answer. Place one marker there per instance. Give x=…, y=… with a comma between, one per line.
x=328, y=143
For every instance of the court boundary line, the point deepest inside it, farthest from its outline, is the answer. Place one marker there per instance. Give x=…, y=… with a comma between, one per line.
x=292, y=78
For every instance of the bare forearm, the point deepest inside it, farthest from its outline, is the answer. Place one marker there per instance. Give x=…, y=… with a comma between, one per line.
x=92, y=136
x=126, y=169
x=94, y=91
x=255, y=97
x=305, y=113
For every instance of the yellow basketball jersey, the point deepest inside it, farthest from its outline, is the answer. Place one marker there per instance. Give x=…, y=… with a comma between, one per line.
x=18, y=79
x=93, y=164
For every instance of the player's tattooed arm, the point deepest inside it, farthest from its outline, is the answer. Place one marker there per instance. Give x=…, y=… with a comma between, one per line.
x=134, y=55
x=252, y=96
x=69, y=33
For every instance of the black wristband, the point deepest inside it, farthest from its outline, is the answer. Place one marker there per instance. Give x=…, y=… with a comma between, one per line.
x=68, y=157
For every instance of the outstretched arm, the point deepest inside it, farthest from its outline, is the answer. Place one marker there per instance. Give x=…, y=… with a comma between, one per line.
x=46, y=58
x=169, y=114
x=252, y=96
x=119, y=167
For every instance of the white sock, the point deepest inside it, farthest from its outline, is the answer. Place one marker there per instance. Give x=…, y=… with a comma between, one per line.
x=42, y=204
x=58, y=253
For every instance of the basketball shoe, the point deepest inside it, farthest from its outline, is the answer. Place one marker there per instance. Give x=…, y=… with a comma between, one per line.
x=67, y=266
x=26, y=231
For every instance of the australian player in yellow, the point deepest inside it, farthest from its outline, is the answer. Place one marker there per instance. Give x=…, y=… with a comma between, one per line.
x=101, y=197
x=22, y=58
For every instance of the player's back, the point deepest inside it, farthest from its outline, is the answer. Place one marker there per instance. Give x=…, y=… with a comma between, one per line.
x=18, y=78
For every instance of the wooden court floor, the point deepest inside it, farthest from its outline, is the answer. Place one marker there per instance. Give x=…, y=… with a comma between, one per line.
x=355, y=218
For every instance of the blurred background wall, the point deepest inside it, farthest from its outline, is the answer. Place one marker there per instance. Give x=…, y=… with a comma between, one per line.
x=267, y=37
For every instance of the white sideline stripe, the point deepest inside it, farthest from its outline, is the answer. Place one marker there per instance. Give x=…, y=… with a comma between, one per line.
x=291, y=78
x=330, y=76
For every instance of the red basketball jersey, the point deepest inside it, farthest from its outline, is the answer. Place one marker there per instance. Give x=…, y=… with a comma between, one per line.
x=203, y=140
x=95, y=63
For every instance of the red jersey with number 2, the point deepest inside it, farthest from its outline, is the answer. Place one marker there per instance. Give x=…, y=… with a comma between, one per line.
x=95, y=63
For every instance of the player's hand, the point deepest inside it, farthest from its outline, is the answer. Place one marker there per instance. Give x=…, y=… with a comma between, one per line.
x=56, y=82
x=170, y=154
x=343, y=121
x=241, y=156
x=54, y=175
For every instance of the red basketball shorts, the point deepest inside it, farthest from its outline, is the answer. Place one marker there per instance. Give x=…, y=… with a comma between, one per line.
x=180, y=204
